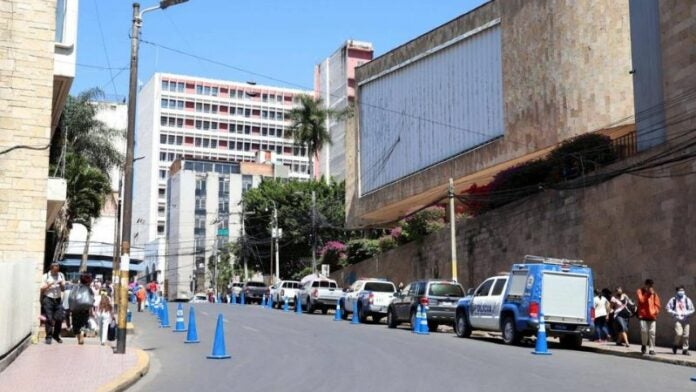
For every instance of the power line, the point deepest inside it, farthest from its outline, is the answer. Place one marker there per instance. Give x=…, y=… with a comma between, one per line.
x=106, y=53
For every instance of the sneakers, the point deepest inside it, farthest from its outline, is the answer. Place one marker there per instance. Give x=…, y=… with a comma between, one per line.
x=642, y=349
x=652, y=352
x=48, y=340
x=58, y=340
x=686, y=352
x=674, y=350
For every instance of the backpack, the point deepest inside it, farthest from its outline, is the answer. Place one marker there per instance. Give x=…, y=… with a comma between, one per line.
x=631, y=307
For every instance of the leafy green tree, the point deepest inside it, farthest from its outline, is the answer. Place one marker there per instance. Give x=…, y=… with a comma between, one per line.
x=295, y=218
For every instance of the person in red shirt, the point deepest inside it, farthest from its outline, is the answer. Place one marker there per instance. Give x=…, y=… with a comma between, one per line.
x=152, y=290
x=648, y=309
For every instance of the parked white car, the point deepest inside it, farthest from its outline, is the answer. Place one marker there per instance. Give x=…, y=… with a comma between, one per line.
x=285, y=289
x=372, y=297
x=318, y=292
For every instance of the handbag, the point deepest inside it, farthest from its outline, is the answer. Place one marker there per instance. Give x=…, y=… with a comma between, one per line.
x=111, y=332
x=81, y=298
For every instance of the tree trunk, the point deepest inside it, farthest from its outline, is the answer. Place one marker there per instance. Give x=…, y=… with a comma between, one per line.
x=85, y=253
x=311, y=165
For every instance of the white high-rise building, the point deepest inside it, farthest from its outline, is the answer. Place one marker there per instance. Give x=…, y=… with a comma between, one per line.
x=334, y=83
x=195, y=118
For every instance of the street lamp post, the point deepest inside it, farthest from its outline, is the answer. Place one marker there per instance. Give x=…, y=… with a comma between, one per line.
x=128, y=167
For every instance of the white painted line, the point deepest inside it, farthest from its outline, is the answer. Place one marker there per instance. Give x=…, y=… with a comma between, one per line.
x=250, y=329
x=204, y=313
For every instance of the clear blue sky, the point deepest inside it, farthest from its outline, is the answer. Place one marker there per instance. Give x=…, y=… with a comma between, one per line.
x=280, y=38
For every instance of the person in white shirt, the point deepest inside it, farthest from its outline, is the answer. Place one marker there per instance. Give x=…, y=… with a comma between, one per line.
x=680, y=308
x=52, y=286
x=600, y=320
x=104, y=316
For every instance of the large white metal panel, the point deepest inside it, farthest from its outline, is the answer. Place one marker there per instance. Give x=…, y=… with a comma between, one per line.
x=564, y=296
x=431, y=109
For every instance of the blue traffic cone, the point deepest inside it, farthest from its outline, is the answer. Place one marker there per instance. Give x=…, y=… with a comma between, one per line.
x=269, y=303
x=337, y=316
x=219, y=350
x=179, y=326
x=242, y=300
x=192, y=335
x=541, y=347
x=158, y=312
x=355, y=319
x=424, y=330
x=285, y=305
x=298, y=306
x=164, y=321
x=415, y=328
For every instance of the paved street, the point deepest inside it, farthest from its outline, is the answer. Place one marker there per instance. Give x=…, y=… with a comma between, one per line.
x=274, y=351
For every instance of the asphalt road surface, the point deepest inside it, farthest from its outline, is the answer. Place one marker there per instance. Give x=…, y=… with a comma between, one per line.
x=276, y=351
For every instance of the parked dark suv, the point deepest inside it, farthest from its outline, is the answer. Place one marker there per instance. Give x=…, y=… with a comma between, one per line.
x=438, y=296
x=254, y=291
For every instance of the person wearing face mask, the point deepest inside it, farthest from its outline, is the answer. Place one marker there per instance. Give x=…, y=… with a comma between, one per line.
x=680, y=307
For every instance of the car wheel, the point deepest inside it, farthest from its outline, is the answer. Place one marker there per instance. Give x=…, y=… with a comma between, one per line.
x=510, y=334
x=413, y=319
x=344, y=313
x=310, y=306
x=461, y=325
x=361, y=314
x=391, y=318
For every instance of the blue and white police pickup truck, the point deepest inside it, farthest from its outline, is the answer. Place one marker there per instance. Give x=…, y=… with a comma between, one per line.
x=560, y=290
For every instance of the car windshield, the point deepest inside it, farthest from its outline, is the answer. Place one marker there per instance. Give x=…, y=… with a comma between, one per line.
x=381, y=287
x=446, y=290
x=324, y=283
x=255, y=284
x=291, y=285
x=237, y=284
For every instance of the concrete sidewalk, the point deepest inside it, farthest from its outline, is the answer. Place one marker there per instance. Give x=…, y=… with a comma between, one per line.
x=71, y=367
x=663, y=354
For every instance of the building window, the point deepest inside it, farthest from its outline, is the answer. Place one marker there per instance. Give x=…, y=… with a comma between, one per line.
x=161, y=192
x=179, y=140
x=199, y=107
x=163, y=139
x=247, y=183
x=199, y=142
x=171, y=139
x=179, y=122
x=160, y=229
x=199, y=89
x=60, y=20
x=163, y=156
x=199, y=124
x=165, y=85
x=214, y=92
x=162, y=174
x=163, y=121
x=180, y=87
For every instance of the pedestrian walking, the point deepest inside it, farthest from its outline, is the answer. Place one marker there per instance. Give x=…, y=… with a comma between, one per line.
x=648, y=309
x=140, y=296
x=52, y=286
x=104, y=315
x=620, y=305
x=681, y=308
x=600, y=320
x=607, y=294
x=66, y=303
x=152, y=290
x=81, y=306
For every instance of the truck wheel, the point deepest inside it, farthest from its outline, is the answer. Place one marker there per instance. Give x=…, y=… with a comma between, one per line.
x=344, y=313
x=573, y=342
x=461, y=325
x=391, y=318
x=510, y=334
x=413, y=319
x=310, y=306
x=361, y=314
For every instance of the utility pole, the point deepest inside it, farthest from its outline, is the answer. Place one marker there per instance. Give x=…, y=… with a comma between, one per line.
x=277, y=247
x=215, y=269
x=244, y=259
x=314, y=232
x=453, y=229
x=128, y=169
x=116, y=262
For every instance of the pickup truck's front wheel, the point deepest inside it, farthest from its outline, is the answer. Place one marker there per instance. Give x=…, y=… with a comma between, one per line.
x=461, y=325
x=362, y=316
x=510, y=334
x=391, y=318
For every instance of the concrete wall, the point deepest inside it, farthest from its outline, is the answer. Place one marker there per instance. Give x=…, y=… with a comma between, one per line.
x=27, y=33
x=627, y=229
x=565, y=71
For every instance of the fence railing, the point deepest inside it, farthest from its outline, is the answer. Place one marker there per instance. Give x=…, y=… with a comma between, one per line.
x=625, y=146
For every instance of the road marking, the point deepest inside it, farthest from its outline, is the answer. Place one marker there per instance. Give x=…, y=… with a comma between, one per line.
x=250, y=329
x=225, y=320
x=204, y=313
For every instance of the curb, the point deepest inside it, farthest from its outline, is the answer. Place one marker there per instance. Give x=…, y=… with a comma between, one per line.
x=637, y=355
x=130, y=376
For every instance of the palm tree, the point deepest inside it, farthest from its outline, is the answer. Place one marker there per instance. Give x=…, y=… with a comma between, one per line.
x=88, y=150
x=308, y=126
x=87, y=187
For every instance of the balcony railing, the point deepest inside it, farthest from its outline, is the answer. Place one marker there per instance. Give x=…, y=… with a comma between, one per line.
x=625, y=146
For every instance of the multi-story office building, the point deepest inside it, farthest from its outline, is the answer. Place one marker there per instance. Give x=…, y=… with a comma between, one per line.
x=204, y=213
x=334, y=83
x=194, y=118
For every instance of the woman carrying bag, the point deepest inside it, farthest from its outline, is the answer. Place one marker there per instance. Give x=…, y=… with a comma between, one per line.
x=81, y=303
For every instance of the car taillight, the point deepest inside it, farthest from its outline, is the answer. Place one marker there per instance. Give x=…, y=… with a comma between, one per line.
x=371, y=298
x=534, y=310
x=425, y=301
x=315, y=293
x=592, y=314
